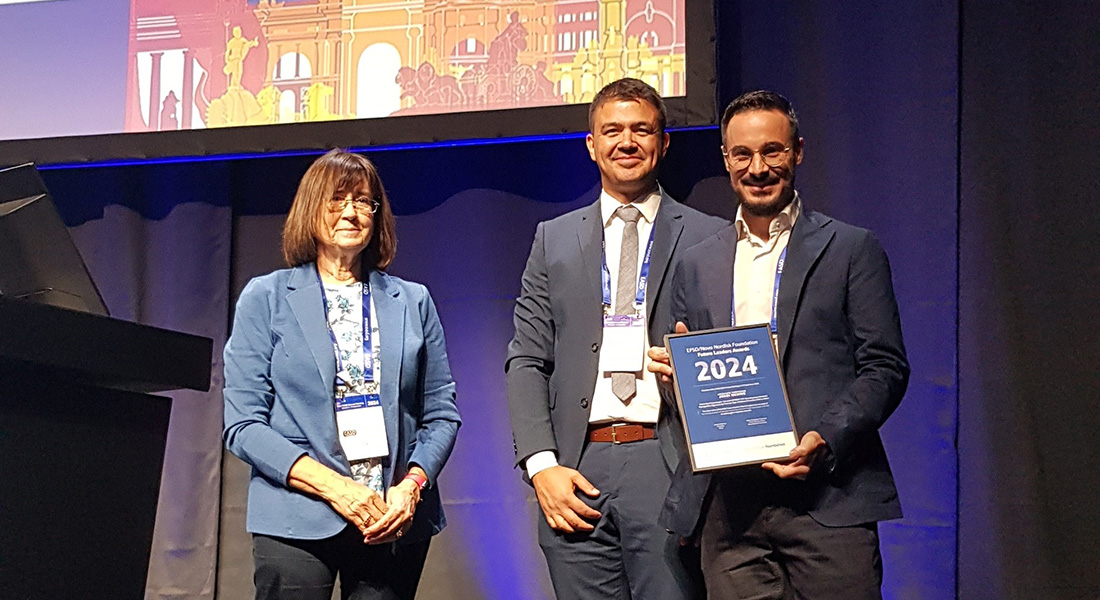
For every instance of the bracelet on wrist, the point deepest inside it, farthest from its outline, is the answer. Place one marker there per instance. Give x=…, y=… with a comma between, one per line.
x=420, y=481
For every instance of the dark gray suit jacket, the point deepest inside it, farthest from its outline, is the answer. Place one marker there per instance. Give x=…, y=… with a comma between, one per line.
x=842, y=354
x=553, y=357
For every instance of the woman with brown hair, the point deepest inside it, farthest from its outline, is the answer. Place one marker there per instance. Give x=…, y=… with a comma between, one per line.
x=339, y=394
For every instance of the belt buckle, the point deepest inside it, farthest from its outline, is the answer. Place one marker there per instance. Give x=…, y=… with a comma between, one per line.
x=614, y=428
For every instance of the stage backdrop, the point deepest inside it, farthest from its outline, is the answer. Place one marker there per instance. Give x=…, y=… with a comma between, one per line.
x=466, y=217
x=876, y=87
x=1029, y=293
x=157, y=243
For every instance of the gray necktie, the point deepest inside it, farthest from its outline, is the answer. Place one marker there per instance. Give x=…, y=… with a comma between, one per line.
x=623, y=384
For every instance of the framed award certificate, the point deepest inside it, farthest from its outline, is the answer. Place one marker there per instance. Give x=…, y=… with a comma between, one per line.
x=731, y=395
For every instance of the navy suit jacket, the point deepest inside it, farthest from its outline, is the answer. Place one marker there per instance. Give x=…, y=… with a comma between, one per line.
x=553, y=358
x=279, y=405
x=842, y=355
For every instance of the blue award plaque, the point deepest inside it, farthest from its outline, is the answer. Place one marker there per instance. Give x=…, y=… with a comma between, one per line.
x=732, y=398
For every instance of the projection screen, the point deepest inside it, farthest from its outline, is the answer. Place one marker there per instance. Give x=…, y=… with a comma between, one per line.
x=106, y=80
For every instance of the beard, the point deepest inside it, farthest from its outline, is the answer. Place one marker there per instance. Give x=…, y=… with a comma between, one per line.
x=768, y=208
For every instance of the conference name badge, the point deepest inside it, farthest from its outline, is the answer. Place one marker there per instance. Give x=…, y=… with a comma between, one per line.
x=732, y=398
x=361, y=426
x=623, y=343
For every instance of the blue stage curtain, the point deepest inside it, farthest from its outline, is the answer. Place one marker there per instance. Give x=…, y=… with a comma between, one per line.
x=466, y=217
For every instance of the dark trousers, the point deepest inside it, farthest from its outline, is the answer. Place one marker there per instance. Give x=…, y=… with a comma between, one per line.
x=628, y=555
x=289, y=569
x=759, y=543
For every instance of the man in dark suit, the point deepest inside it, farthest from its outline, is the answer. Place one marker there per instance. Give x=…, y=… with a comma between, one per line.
x=804, y=528
x=587, y=419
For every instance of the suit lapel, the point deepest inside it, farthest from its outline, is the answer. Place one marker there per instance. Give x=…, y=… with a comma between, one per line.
x=720, y=291
x=390, y=307
x=304, y=299
x=590, y=246
x=809, y=238
x=667, y=228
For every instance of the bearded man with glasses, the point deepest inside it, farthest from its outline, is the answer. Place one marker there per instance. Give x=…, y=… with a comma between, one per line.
x=805, y=527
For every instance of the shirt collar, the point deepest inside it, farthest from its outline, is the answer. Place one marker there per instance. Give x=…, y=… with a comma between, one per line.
x=784, y=221
x=647, y=204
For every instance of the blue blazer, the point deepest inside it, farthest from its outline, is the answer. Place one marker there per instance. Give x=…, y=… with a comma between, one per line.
x=279, y=405
x=842, y=354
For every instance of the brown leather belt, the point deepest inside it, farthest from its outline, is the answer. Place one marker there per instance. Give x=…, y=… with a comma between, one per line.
x=621, y=433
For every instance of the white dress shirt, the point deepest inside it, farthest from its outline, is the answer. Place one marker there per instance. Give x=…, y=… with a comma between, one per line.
x=755, y=264
x=645, y=406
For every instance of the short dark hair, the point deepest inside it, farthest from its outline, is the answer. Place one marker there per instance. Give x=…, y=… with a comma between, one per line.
x=337, y=172
x=628, y=88
x=760, y=100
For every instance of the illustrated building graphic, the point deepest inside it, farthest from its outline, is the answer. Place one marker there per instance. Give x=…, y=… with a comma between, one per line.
x=218, y=63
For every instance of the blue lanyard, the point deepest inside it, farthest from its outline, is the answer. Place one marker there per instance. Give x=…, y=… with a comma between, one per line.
x=368, y=357
x=643, y=276
x=775, y=293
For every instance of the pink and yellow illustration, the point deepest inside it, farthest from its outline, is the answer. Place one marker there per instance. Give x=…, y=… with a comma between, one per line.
x=219, y=63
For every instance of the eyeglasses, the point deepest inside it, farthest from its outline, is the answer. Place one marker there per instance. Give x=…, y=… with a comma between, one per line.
x=740, y=158
x=363, y=204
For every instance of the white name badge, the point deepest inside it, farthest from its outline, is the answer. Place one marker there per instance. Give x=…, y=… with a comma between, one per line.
x=623, y=343
x=361, y=427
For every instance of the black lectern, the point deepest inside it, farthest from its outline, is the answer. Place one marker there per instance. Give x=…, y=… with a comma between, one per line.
x=81, y=446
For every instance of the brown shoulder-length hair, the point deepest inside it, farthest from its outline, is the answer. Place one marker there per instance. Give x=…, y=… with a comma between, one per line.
x=335, y=174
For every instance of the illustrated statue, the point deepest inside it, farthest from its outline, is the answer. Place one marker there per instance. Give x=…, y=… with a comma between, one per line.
x=504, y=50
x=236, y=49
x=428, y=89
